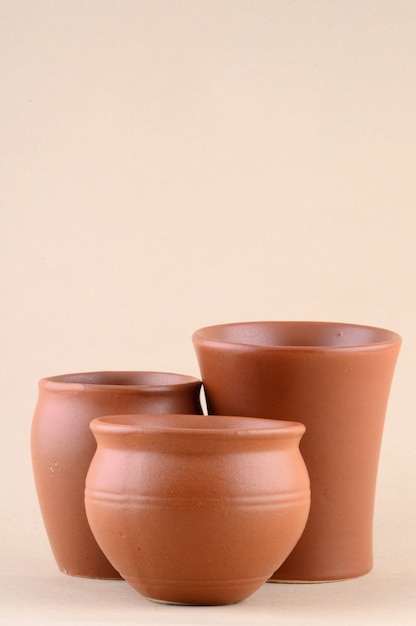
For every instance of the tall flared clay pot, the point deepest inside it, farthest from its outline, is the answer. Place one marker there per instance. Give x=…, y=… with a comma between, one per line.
x=335, y=379
x=196, y=509
x=62, y=447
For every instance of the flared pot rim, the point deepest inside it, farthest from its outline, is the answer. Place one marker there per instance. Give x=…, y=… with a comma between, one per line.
x=195, y=425
x=342, y=336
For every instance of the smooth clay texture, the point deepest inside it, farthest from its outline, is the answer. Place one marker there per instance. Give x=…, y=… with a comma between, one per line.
x=336, y=379
x=168, y=165
x=196, y=509
x=62, y=448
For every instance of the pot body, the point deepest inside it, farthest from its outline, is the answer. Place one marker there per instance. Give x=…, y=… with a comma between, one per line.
x=62, y=447
x=196, y=509
x=335, y=379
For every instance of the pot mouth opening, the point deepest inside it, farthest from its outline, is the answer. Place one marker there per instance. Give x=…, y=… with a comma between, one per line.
x=297, y=335
x=133, y=379
x=204, y=425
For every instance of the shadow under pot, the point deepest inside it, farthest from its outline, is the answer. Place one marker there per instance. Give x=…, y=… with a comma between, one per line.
x=334, y=378
x=196, y=509
x=62, y=447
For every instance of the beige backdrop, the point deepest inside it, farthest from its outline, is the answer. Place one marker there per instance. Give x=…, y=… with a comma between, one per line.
x=171, y=164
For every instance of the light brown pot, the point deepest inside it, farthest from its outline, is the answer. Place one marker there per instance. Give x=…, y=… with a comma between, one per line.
x=196, y=509
x=335, y=379
x=62, y=448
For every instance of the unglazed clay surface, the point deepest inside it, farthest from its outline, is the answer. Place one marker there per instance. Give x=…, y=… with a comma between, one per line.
x=196, y=509
x=63, y=446
x=335, y=379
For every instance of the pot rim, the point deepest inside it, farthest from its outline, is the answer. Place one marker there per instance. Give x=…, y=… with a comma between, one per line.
x=146, y=424
x=117, y=380
x=210, y=335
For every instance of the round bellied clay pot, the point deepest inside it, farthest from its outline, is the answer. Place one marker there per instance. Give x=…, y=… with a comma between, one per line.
x=196, y=509
x=62, y=447
x=334, y=378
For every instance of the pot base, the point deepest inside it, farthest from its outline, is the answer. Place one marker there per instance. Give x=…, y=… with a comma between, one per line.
x=290, y=581
x=204, y=593
x=91, y=576
x=173, y=603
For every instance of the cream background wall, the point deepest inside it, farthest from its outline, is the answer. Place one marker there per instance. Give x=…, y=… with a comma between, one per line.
x=171, y=164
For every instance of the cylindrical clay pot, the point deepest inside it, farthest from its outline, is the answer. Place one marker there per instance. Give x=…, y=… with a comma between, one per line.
x=335, y=379
x=196, y=509
x=62, y=447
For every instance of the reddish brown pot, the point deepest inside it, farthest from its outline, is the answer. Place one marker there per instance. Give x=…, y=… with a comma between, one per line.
x=63, y=446
x=334, y=378
x=196, y=509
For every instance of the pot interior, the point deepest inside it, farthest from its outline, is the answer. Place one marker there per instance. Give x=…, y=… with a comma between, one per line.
x=296, y=334
x=124, y=378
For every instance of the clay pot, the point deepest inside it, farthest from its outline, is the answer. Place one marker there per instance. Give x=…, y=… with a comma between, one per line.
x=196, y=509
x=334, y=378
x=63, y=446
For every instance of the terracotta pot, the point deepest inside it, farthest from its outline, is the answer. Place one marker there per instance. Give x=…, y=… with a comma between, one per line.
x=334, y=378
x=63, y=446
x=196, y=509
